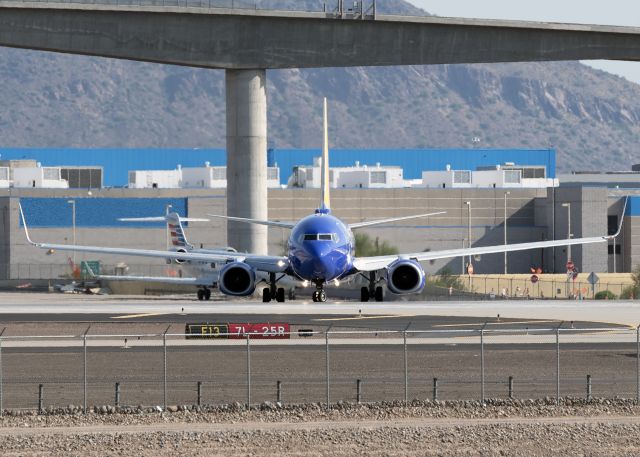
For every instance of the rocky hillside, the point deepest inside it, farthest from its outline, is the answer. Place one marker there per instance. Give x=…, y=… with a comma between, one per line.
x=591, y=117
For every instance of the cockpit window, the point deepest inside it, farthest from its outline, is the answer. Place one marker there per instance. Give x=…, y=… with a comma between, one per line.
x=320, y=237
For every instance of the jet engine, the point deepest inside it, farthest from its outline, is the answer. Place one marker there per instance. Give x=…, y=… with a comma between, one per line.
x=405, y=277
x=238, y=279
x=178, y=261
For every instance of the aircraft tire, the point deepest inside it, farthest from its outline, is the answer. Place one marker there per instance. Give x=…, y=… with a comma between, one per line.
x=266, y=295
x=207, y=294
x=280, y=295
x=322, y=296
x=364, y=294
x=314, y=296
x=200, y=294
x=379, y=293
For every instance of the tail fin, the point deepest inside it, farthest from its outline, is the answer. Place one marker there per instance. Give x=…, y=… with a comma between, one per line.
x=176, y=232
x=324, y=206
x=174, y=226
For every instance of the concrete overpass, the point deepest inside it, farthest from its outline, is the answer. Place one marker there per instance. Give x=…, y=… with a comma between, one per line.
x=247, y=42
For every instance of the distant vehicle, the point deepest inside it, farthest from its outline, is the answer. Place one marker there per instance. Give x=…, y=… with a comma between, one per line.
x=321, y=250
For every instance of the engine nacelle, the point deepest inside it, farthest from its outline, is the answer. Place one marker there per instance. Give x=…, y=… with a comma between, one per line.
x=237, y=279
x=405, y=277
x=178, y=261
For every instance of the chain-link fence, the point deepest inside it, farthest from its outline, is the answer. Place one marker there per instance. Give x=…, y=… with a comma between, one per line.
x=38, y=372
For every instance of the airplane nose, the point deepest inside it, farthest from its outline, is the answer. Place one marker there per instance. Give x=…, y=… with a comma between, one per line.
x=323, y=263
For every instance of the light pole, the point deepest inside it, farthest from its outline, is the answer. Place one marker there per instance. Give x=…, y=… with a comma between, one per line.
x=568, y=206
x=505, y=231
x=73, y=225
x=468, y=229
x=166, y=225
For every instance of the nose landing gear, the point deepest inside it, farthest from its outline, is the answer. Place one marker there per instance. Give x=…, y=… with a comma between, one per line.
x=319, y=296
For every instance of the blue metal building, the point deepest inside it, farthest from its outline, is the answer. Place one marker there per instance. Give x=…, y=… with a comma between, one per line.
x=117, y=162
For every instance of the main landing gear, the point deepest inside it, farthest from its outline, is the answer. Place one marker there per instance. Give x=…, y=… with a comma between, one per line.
x=273, y=292
x=372, y=292
x=204, y=293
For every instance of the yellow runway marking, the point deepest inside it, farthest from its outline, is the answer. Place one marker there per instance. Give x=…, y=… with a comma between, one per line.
x=133, y=316
x=355, y=318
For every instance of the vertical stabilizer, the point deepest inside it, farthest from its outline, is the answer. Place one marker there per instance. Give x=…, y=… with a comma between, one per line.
x=176, y=232
x=325, y=161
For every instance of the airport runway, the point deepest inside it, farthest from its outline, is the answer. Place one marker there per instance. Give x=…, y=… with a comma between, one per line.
x=59, y=307
x=377, y=358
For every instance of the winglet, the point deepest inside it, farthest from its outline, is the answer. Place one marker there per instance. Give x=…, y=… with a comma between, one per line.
x=324, y=207
x=624, y=210
x=26, y=229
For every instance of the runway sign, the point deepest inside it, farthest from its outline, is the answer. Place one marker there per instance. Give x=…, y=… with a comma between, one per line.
x=259, y=331
x=279, y=331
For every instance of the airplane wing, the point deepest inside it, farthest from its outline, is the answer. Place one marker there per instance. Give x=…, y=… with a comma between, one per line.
x=275, y=264
x=392, y=219
x=161, y=279
x=287, y=225
x=379, y=262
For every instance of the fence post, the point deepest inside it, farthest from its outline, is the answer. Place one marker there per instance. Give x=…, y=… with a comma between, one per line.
x=248, y=370
x=510, y=387
x=482, y=363
x=1, y=379
x=435, y=389
x=406, y=367
x=326, y=339
x=279, y=392
x=84, y=369
x=40, y=398
x=117, y=392
x=164, y=368
x=199, y=399
x=358, y=391
x=558, y=365
x=588, y=387
x=638, y=365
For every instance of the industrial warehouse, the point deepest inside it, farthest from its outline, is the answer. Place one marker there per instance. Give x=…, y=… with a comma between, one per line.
x=72, y=196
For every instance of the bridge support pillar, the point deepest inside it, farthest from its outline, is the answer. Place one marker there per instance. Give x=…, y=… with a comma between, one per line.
x=246, y=94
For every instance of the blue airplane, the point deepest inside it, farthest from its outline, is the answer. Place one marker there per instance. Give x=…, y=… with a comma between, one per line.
x=321, y=250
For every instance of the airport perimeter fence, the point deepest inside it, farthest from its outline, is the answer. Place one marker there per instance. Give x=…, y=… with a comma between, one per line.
x=162, y=370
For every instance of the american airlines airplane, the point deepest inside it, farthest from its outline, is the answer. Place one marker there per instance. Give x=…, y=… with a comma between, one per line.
x=201, y=274
x=321, y=250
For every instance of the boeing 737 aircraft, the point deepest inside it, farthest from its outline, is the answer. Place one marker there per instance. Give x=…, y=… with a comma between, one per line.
x=321, y=249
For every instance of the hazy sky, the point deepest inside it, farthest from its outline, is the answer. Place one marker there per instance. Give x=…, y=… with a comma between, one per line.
x=610, y=12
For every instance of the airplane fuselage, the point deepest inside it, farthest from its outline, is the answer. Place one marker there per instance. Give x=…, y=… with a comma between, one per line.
x=321, y=248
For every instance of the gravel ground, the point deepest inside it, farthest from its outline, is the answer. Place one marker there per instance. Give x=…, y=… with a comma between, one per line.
x=576, y=428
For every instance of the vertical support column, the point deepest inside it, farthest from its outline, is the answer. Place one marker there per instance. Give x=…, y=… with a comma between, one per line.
x=199, y=392
x=117, y=395
x=246, y=95
x=84, y=373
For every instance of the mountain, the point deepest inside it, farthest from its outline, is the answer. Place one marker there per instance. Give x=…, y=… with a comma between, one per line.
x=591, y=117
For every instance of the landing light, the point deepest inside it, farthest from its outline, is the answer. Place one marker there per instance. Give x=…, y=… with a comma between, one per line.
x=336, y=282
x=305, y=283
x=281, y=263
